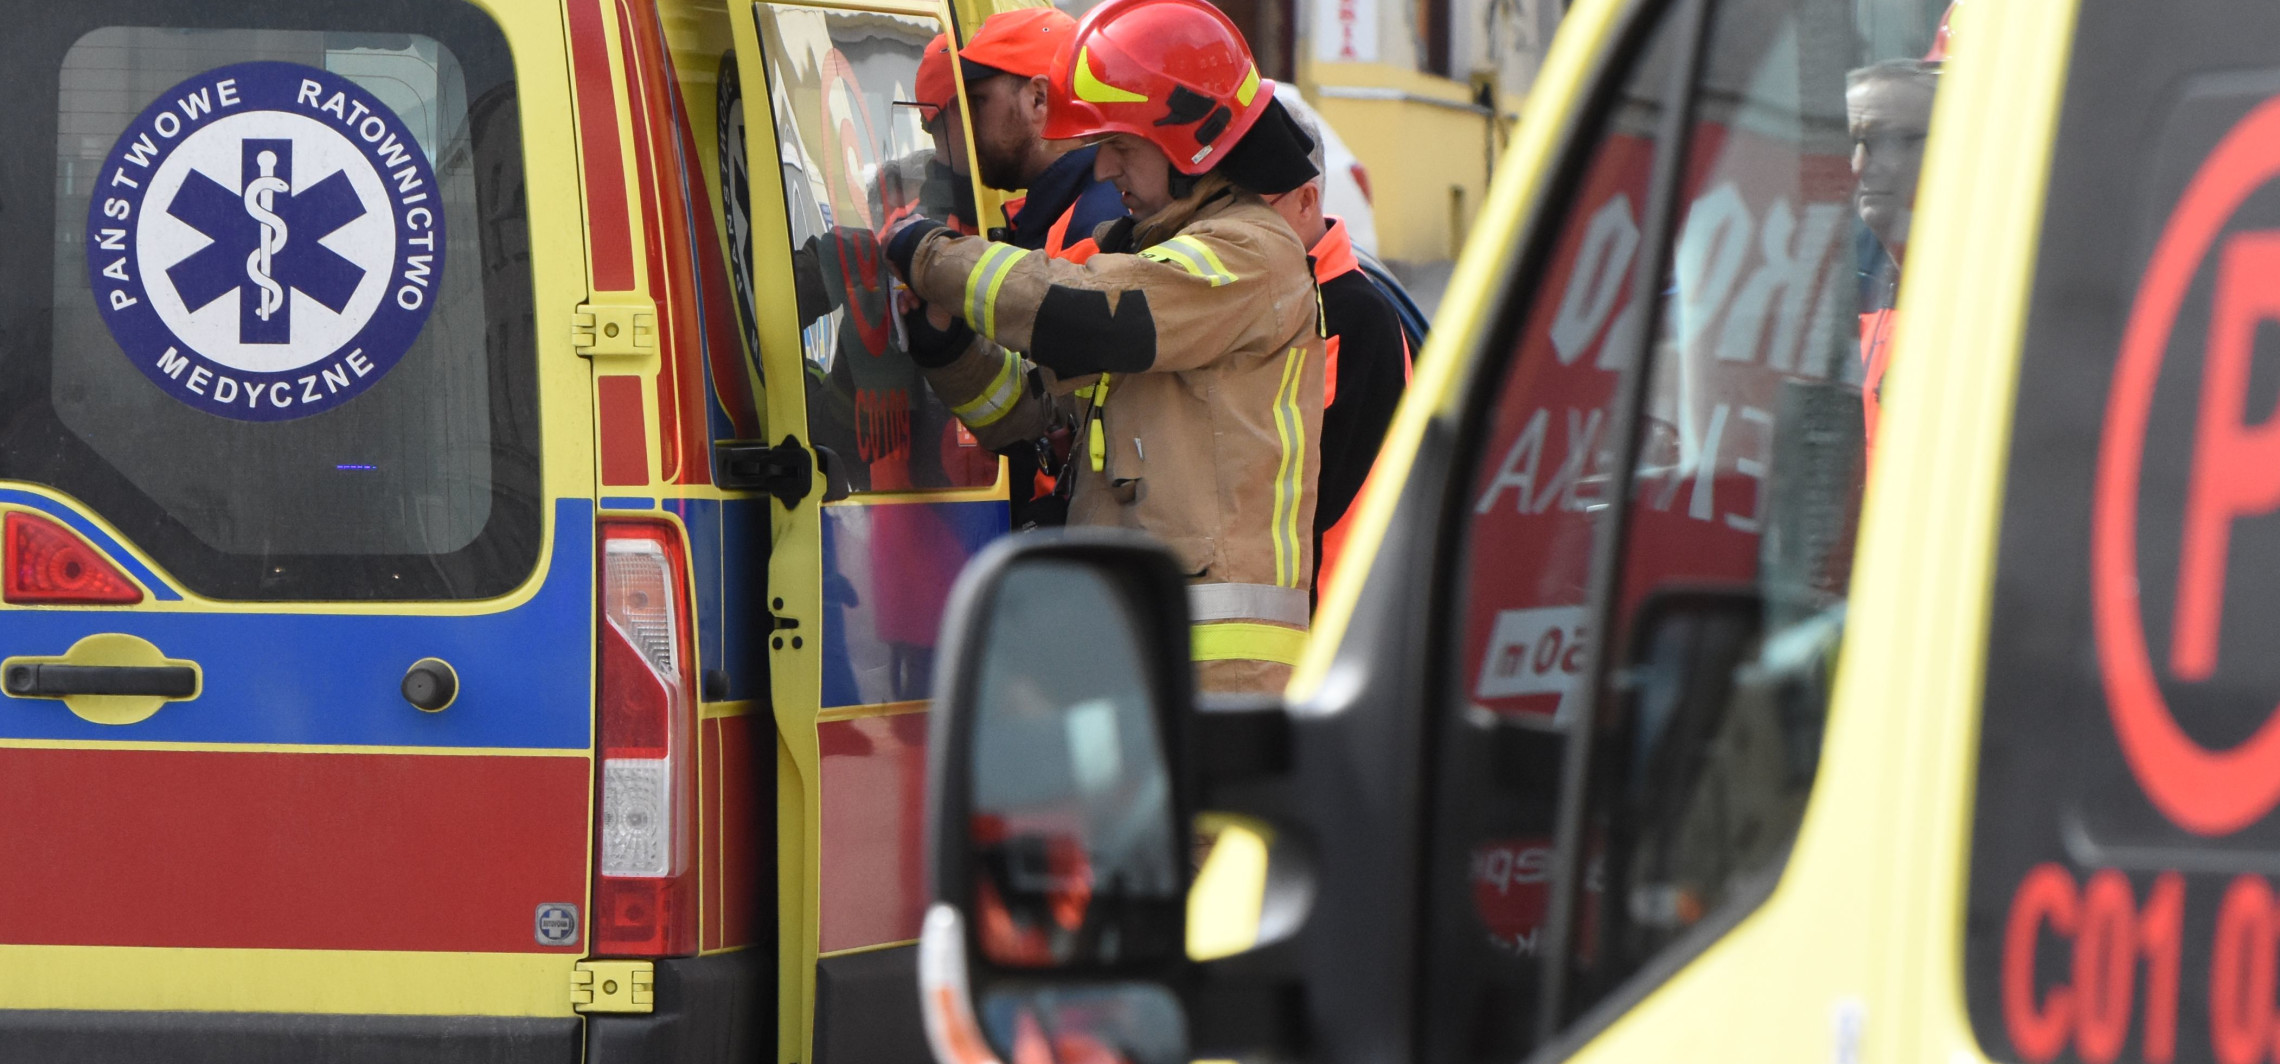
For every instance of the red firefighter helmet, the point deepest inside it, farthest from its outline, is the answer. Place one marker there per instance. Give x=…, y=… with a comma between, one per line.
x=1176, y=72
x=1941, y=37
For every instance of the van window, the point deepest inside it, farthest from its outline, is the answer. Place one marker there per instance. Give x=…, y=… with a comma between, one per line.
x=2124, y=843
x=856, y=154
x=1764, y=335
x=353, y=416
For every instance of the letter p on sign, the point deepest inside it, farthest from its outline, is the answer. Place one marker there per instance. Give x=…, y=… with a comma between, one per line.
x=2236, y=465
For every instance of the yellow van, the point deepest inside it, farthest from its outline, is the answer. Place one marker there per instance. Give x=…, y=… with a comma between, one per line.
x=473, y=540
x=1709, y=692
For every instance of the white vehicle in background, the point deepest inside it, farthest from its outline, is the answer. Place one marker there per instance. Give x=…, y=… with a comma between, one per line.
x=1346, y=186
x=1346, y=196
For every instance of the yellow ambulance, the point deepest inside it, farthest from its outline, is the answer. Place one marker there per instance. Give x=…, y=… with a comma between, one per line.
x=1795, y=617
x=473, y=541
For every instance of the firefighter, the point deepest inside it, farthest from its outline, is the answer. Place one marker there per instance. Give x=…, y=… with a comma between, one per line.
x=1008, y=66
x=1193, y=332
x=1366, y=357
x=944, y=191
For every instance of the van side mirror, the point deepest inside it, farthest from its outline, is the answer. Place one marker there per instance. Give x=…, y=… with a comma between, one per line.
x=1060, y=850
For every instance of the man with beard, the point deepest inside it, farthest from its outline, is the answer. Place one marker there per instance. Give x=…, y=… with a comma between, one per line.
x=1007, y=67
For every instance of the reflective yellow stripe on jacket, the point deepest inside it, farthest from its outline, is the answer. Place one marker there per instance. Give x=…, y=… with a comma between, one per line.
x=983, y=284
x=1232, y=640
x=1230, y=622
x=1290, y=432
x=997, y=400
x=1194, y=256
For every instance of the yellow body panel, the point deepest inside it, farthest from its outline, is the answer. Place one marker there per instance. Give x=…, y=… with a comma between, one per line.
x=286, y=980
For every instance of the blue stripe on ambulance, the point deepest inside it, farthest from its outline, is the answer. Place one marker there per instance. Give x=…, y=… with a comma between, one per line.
x=330, y=679
x=859, y=667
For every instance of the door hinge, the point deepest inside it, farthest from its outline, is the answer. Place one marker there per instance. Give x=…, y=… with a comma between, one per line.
x=614, y=986
x=784, y=470
x=614, y=329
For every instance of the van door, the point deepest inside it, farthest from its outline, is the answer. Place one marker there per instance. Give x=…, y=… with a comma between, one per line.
x=299, y=532
x=1660, y=413
x=858, y=584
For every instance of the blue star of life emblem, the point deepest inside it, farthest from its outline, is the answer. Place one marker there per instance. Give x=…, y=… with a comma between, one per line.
x=264, y=241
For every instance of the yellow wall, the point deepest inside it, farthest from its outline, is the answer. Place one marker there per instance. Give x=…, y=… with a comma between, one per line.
x=1426, y=146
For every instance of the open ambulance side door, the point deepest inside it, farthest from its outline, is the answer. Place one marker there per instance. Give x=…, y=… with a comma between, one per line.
x=903, y=496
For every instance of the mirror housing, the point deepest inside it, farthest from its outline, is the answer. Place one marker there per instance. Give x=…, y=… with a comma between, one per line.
x=1060, y=771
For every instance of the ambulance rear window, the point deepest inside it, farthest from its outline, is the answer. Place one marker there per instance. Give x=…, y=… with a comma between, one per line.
x=268, y=307
x=2122, y=904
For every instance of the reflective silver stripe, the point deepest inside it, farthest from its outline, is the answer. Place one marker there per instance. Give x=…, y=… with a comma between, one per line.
x=1249, y=602
x=982, y=286
x=997, y=400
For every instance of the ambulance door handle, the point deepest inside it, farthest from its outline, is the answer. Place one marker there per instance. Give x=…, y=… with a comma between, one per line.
x=35, y=680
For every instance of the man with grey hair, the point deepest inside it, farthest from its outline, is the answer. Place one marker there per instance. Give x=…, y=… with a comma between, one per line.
x=1368, y=361
x=1888, y=106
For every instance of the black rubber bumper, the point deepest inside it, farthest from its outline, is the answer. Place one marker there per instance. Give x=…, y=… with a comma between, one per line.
x=866, y=1009
x=719, y=1009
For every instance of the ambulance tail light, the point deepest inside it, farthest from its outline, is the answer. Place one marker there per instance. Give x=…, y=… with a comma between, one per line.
x=1362, y=179
x=644, y=897
x=50, y=565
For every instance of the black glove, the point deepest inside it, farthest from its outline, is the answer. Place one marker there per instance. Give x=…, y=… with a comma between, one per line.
x=902, y=245
x=934, y=348
x=1114, y=237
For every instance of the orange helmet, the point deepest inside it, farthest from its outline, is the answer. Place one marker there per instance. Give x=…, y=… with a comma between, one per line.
x=1941, y=36
x=1175, y=72
x=936, y=91
x=1022, y=42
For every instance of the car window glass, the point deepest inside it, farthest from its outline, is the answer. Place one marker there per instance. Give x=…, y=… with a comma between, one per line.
x=1532, y=507
x=312, y=381
x=857, y=154
x=1775, y=317
x=2121, y=904
x=1766, y=337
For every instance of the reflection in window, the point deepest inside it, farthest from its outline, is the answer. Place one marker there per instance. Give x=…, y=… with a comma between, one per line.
x=853, y=162
x=1767, y=337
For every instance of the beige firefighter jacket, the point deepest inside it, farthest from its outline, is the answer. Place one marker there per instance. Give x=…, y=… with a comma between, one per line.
x=1208, y=436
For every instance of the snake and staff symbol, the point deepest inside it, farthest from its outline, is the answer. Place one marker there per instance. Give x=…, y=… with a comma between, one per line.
x=260, y=198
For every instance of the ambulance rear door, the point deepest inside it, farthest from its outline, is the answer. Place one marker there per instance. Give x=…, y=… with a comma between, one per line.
x=296, y=468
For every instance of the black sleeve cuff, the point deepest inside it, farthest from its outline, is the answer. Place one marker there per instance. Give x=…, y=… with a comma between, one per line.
x=904, y=246
x=934, y=348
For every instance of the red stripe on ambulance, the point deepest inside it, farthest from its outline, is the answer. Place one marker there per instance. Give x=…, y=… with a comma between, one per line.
x=872, y=888
x=607, y=226
x=287, y=850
